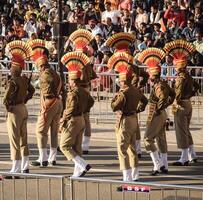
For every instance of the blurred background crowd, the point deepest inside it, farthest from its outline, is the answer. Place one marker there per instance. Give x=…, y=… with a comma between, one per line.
x=154, y=22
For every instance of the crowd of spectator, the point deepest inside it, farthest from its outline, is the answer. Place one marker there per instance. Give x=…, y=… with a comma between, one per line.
x=153, y=22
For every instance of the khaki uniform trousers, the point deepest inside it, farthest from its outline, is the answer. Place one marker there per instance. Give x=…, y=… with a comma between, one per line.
x=182, y=122
x=87, y=125
x=86, y=115
x=17, y=131
x=156, y=130
x=51, y=120
x=138, y=135
x=71, y=137
x=126, y=137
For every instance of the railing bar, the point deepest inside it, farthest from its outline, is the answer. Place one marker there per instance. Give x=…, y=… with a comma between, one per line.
x=2, y=189
x=63, y=189
x=110, y=191
x=25, y=182
x=49, y=188
x=98, y=191
x=37, y=187
x=85, y=190
x=14, y=188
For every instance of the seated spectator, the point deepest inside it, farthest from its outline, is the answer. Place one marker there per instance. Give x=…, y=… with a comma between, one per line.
x=18, y=10
x=125, y=5
x=141, y=17
x=125, y=14
x=173, y=13
x=108, y=28
x=68, y=14
x=30, y=11
x=127, y=26
x=3, y=65
x=155, y=15
x=190, y=30
x=174, y=31
x=93, y=27
x=198, y=18
x=167, y=67
x=79, y=15
x=3, y=25
x=18, y=27
x=157, y=31
x=114, y=15
x=92, y=13
x=143, y=30
x=198, y=42
x=42, y=28
x=100, y=44
x=31, y=25
x=43, y=12
x=53, y=11
x=11, y=35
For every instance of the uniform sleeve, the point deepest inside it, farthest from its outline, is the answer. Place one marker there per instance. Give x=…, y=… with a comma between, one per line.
x=143, y=103
x=90, y=103
x=71, y=104
x=10, y=91
x=118, y=102
x=46, y=81
x=31, y=91
x=179, y=86
x=145, y=77
x=162, y=96
x=196, y=87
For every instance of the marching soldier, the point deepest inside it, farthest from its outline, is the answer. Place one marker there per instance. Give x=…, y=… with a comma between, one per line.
x=73, y=123
x=185, y=88
x=139, y=80
x=81, y=40
x=121, y=43
x=18, y=92
x=126, y=104
x=51, y=105
x=160, y=98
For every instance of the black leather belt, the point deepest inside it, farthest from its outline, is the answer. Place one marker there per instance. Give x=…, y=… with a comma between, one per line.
x=128, y=114
x=77, y=115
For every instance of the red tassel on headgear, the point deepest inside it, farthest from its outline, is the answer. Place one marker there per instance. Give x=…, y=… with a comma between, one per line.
x=39, y=52
x=75, y=62
x=152, y=57
x=19, y=52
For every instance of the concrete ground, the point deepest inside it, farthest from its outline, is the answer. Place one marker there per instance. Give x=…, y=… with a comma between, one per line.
x=103, y=158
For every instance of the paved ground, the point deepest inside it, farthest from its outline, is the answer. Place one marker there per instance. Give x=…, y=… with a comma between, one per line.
x=104, y=161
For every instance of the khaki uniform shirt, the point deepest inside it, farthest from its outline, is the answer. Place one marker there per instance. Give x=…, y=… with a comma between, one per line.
x=18, y=91
x=78, y=102
x=185, y=87
x=88, y=74
x=162, y=95
x=49, y=83
x=127, y=100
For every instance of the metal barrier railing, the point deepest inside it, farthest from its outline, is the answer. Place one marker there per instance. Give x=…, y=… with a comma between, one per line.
x=110, y=189
x=33, y=186
x=103, y=89
x=54, y=187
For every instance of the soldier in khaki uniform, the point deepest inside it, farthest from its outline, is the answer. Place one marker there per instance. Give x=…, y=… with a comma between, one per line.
x=185, y=88
x=73, y=124
x=125, y=103
x=160, y=98
x=121, y=43
x=18, y=92
x=51, y=105
x=81, y=40
x=139, y=80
